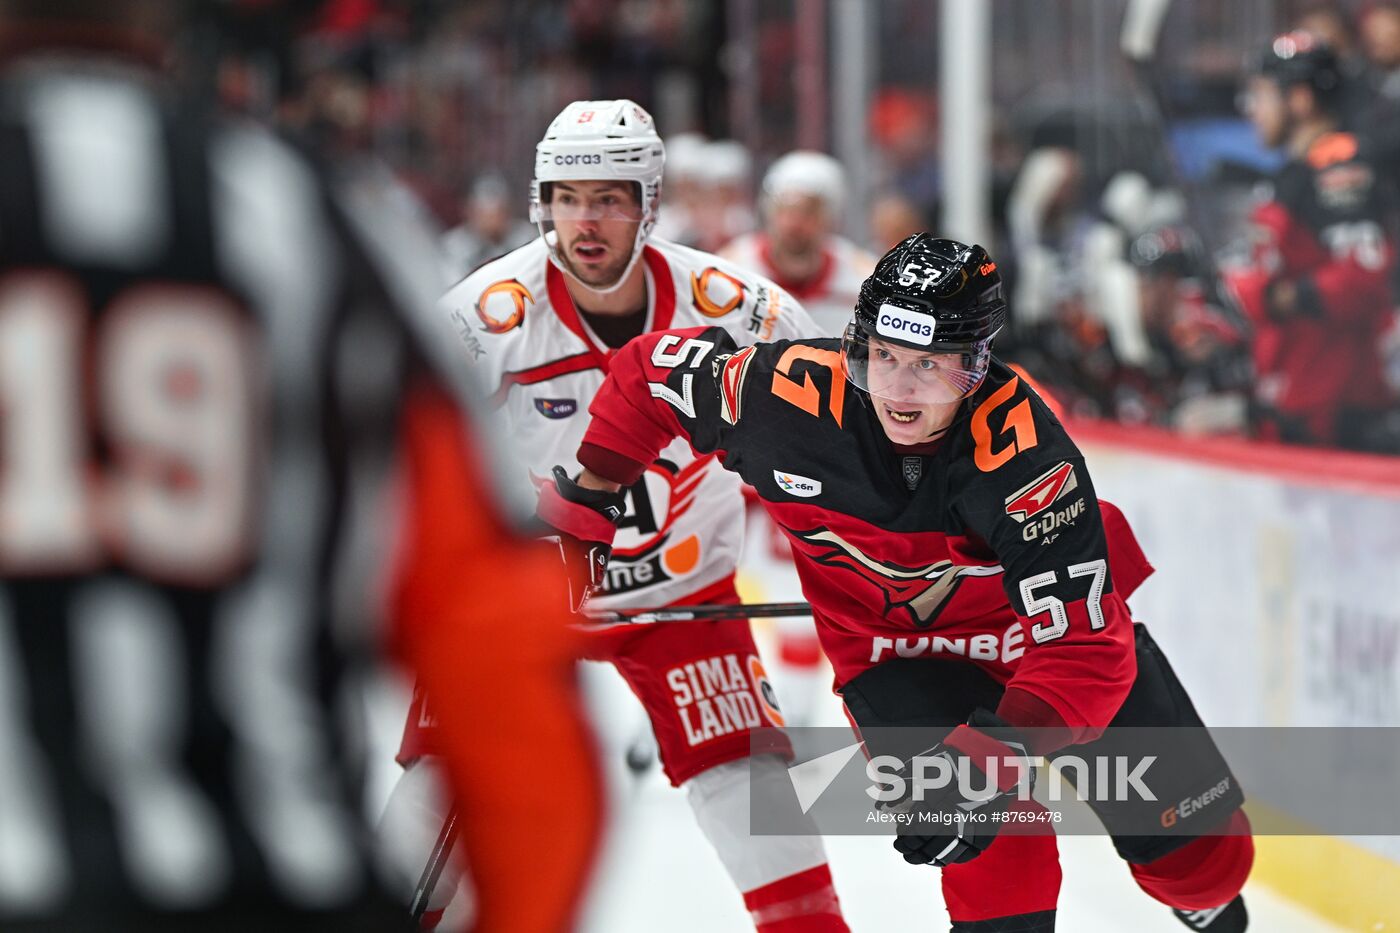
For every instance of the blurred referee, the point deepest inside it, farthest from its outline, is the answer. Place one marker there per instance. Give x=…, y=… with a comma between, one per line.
x=212, y=363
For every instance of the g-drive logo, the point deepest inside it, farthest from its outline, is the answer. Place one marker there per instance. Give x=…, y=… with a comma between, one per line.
x=901, y=324
x=795, y=485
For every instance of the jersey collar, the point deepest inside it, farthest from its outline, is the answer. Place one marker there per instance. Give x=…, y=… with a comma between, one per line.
x=661, y=303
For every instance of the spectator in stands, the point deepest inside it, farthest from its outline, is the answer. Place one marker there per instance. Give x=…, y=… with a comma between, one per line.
x=1047, y=220
x=1193, y=373
x=904, y=126
x=1330, y=23
x=1380, y=39
x=1334, y=26
x=488, y=229
x=893, y=218
x=1319, y=293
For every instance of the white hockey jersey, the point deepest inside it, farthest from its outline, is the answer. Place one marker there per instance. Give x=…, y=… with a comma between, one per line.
x=684, y=527
x=830, y=297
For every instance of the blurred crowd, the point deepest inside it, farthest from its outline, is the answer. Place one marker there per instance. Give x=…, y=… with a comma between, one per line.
x=1249, y=287
x=1126, y=261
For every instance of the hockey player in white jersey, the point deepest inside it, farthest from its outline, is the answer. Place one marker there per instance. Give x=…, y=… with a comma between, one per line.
x=540, y=325
x=801, y=201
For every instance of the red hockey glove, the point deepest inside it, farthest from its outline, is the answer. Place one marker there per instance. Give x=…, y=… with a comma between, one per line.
x=586, y=520
x=949, y=826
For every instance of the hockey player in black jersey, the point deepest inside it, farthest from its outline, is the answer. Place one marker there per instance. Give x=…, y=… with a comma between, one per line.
x=961, y=570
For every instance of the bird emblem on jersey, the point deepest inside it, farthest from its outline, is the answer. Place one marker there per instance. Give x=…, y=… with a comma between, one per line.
x=715, y=293
x=1038, y=495
x=501, y=306
x=730, y=370
x=922, y=592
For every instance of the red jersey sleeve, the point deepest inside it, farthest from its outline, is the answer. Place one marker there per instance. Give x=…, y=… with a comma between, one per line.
x=660, y=386
x=1037, y=512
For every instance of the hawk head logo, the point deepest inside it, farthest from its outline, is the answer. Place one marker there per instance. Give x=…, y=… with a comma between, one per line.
x=922, y=592
x=730, y=369
x=501, y=306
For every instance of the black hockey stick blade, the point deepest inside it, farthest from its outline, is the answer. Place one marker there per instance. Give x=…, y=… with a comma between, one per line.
x=705, y=613
x=437, y=861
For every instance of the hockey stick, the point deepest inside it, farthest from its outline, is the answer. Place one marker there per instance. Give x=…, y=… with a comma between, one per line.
x=437, y=861
x=705, y=613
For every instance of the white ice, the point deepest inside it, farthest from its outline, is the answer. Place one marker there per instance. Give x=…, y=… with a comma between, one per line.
x=659, y=873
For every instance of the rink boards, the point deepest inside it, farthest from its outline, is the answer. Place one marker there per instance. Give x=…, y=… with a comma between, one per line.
x=1278, y=599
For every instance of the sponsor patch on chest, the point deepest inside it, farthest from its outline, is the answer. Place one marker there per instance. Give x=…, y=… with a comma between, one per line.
x=794, y=485
x=556, y=407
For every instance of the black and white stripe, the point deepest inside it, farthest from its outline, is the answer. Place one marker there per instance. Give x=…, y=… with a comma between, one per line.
x=168, y=745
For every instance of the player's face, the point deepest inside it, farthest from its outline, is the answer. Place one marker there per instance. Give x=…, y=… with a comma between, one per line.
x=797, y=224
x=1267, y=110
x=597, y=226
x=900, y=381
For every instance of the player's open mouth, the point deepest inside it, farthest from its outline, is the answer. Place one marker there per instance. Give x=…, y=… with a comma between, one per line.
x=903, y=417
x=590, y=252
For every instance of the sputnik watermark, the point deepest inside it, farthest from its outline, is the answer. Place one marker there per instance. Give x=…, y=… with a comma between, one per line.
x=1117, y=778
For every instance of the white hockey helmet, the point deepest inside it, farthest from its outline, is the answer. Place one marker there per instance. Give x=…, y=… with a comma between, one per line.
x=805, y=172
x=599, y=140
x=685, y=157
x=726, y=162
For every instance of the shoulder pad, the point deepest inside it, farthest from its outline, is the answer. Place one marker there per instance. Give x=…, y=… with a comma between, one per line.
x=497, y=298
x=1010, y=423
x=727, y=293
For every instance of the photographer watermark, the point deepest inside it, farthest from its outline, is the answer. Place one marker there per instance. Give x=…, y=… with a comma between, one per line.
x=1117, y=777
x=1140, y=782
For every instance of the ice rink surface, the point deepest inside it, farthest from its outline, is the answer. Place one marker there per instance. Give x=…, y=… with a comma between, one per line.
x=659, y=872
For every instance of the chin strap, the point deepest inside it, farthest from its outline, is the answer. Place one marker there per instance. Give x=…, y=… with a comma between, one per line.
x=551, y=242
x=939, y=433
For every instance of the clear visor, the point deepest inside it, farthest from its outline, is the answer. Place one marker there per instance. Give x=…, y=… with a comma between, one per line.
x=616, y=202
x=939, y=375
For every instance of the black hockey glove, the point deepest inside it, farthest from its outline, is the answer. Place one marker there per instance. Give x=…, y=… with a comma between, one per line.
x=948, y=826
x=585, y=520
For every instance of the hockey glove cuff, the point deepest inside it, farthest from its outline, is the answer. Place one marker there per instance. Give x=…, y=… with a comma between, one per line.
x=985, y=761
x=586, y=521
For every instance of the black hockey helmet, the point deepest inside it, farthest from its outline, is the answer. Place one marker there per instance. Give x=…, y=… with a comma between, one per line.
x=1300, y=57
x=1169, y=249
x=939, y=298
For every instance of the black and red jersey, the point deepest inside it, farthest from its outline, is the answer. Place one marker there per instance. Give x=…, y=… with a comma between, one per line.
x=1324, y=232
x=990, y=546
x=217, y=361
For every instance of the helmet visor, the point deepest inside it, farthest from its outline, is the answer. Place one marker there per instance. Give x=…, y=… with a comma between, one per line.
x=562, y=201
x=941, y=374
